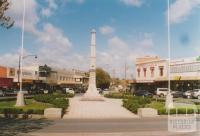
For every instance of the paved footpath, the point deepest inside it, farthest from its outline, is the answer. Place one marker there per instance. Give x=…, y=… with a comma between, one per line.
x=109, y=127
x=106, y=118
x=110, y=108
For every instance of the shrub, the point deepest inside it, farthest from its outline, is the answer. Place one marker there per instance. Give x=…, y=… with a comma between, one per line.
x=58, y=100
x=61, y=103
x=45, y=98
x=14, y=111
x=119, y=95
x=34, y=111
x=69, y=95
x=134, y=103
x=163, y=111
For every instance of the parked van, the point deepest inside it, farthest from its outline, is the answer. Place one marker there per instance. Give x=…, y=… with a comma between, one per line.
x=161, y=92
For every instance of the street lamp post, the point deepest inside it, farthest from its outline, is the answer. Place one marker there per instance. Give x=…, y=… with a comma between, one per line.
x=20, y=94
x=169, y=97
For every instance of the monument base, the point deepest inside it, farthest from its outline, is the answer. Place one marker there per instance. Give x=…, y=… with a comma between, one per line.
x=20, y=99
x=169, y=101
x=91, y=96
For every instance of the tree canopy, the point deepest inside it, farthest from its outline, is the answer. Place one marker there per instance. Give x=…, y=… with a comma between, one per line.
x=103, y=79
x=5, y=21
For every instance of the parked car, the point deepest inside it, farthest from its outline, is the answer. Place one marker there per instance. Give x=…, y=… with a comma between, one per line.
x=46, y=91
x=69, y=90
x=161, y=92
x=143, y=93
x=196, y=93
x=188, y=94
x=10, y=92
x=2, y=93
x=177, y=94
x=100, y=90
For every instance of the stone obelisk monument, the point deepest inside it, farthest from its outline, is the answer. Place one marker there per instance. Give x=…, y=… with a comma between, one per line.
x=92, y=94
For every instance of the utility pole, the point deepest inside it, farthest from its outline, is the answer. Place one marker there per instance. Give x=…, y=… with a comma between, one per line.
x=113, y=73
x=125, y=71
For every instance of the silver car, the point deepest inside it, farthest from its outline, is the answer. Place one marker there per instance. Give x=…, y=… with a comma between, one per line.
x=188, y=94
x=196, y=93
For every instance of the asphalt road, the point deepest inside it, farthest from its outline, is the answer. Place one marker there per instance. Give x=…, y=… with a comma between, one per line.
x=115, y=127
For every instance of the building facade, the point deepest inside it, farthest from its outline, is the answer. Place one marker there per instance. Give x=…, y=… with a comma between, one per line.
x=45, y=77
x=68, y=77
x=152, y=72
x=151, y=69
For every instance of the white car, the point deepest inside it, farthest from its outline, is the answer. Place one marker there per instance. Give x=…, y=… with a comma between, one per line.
x=196, y=93
x=188, y=94
x=161, y=92
x=69, y=90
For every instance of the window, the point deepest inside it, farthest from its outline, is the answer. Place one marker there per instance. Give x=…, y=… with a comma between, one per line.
x=138, y=72
x=161, y=70
x=145, y=72
x=152, y=71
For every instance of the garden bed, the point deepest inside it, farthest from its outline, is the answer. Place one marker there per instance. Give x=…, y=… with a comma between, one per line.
x=35, y=107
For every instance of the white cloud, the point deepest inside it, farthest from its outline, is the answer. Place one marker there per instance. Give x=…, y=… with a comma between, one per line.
x=31, y=19
x=76, y=1
x=106, y=30
x=135, y=3
x=181, y=9
x=52, y=35
x=145, y=41
x=52, y=42
x=47, y=12
x=119, y=52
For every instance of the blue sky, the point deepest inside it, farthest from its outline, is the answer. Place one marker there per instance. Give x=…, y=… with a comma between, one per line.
x=58, y=31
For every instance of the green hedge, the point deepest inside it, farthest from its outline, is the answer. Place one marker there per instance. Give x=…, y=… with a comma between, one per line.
x=119, y=95
x=132, y=104
x=60, y=103
x=58, y=100
x=163, y=111
x=7, y=111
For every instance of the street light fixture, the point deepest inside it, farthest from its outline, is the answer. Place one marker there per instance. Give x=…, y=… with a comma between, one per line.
x=24, y=57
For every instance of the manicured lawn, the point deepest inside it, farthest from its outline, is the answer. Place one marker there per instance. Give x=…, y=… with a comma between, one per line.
x=156, y=105
x=30, y=104
x=161, y=105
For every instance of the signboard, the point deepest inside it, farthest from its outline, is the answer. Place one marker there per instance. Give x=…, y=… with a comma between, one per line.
x=12, y=72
